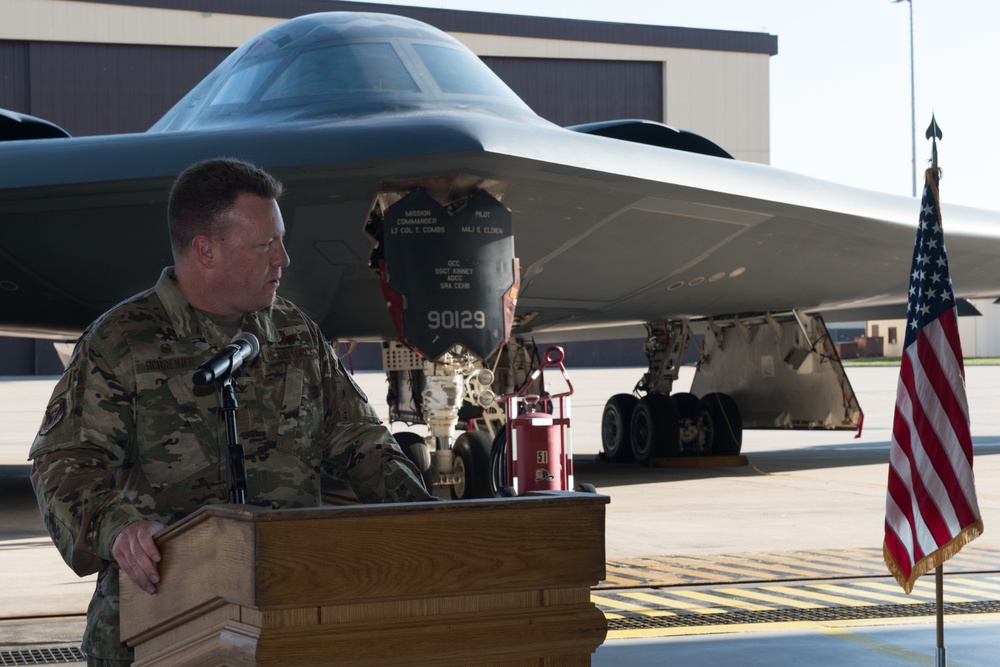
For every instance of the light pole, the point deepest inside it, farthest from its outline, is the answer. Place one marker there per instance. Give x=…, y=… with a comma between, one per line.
x=913, y=104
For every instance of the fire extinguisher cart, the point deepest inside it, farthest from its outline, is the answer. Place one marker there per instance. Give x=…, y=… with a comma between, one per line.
x=534, y=450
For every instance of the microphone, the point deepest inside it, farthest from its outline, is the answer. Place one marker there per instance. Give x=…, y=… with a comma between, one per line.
x=244, y=347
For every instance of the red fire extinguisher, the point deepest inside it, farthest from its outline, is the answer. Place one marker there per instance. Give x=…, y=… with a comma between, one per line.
x=539, y=452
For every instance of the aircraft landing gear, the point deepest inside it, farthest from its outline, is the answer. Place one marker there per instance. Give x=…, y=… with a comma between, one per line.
x=662, y=425
x=657, y=426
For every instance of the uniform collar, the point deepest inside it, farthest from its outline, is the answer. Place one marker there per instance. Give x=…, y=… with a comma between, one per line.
x=189, y=323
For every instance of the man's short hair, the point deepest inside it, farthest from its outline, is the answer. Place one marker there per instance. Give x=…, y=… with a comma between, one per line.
x=205, y=192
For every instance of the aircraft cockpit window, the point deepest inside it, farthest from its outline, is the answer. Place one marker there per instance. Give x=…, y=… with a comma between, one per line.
x=345, y=68
x=461, y=72
x=243, y=83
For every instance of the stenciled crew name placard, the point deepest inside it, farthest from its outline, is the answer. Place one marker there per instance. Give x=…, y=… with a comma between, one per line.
x=452, y=271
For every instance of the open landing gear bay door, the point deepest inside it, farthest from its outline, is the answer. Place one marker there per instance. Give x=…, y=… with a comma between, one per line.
x=450, y=278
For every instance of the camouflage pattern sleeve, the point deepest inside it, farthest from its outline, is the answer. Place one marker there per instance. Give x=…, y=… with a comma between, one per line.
x=358, y=447
x=77, y=457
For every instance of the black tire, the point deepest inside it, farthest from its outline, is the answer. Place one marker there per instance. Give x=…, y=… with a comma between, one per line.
x=415, y=449
x=616, y=422
x=654, y=429
x=586, y=487
x=472, y=464
x=687, y=422
x=686, y=404
x=721, y=425
x=498, y=461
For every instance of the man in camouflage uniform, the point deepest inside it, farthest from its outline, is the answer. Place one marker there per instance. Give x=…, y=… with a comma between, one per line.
x=129, y=444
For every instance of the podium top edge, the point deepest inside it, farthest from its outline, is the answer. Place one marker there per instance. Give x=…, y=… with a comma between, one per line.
x=255, y=514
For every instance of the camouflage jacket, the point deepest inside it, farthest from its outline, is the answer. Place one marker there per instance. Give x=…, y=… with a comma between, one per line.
x=127, y=436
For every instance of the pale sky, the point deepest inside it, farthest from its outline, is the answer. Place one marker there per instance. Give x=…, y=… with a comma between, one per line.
x=840, y=84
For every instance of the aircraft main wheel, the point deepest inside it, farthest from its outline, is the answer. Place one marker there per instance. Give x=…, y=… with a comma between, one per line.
x=616, y=427
x=720, y=424
x=472, y=466
x=654, y=429
x=415, y=449
x=687, y=420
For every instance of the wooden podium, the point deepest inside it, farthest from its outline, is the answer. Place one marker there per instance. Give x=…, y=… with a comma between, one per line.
x=499, y=582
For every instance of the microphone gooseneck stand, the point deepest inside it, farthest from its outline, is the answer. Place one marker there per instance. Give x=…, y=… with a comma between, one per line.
x=235, y=465
x=244, y=348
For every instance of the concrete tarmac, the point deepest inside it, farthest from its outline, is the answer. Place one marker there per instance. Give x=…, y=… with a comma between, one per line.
x=803, y=490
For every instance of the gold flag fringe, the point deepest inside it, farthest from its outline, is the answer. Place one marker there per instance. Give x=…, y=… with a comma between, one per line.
x=932, y=560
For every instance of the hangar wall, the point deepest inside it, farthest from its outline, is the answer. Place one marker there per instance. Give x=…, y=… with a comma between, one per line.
x=715, y=83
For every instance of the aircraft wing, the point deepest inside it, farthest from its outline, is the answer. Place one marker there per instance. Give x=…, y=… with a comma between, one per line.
x=605, y=231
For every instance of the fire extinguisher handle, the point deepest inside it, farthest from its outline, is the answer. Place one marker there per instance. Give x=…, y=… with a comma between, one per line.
x=554, y=355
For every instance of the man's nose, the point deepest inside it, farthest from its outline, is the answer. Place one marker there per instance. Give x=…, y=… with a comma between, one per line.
x=281, y=257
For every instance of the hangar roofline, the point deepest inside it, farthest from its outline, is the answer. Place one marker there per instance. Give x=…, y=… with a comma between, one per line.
x=487, y=23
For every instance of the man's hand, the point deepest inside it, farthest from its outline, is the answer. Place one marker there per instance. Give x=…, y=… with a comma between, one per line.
x=137, y=554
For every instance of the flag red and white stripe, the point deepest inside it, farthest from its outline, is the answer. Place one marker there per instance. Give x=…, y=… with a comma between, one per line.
x=931, y=508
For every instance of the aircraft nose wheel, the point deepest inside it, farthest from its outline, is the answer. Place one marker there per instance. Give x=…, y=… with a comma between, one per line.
x=472, y=466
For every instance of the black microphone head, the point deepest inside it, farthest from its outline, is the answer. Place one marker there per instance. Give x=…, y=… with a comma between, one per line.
x=251, y=340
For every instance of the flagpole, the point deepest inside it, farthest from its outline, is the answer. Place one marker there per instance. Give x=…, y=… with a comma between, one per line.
x=934, y=133
x=926, y=523
x=942, y=660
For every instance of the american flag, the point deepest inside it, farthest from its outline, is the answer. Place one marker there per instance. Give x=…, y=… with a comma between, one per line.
x=931, y=510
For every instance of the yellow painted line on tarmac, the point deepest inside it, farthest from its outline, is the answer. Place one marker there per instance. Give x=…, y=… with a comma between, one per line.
x=709, y=630
x=885, y=648
x=862, y=552
x=917, y=592
x=614, y=576
x=899, y=598
x=992, y=617
x=740, y=566
x=710, y=566
x=765, y=568
x=972, y=589
x=640, y=572
x=614, y=604
x=929, y=587
x=991, y=560
x=621, y=605
x=804, y=568
x=649, y=633
x=676, y=604
x=721, y=601
x=654, y=563
x=815, y=595
x=973, y=583
x=754, y=594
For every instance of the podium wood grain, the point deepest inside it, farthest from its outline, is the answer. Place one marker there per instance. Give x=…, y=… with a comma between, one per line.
x=499, y=582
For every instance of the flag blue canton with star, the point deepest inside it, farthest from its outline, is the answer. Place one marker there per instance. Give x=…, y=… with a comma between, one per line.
x=931, y=292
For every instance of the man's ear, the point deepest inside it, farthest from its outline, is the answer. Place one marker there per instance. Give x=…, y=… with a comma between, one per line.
x=203, y=249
